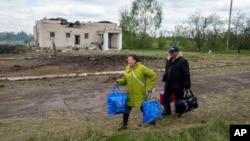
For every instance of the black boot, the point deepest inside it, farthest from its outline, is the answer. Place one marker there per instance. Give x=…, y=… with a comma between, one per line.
x=152, y=123
x=178, y=115
x=125, y=122
x=166, y=113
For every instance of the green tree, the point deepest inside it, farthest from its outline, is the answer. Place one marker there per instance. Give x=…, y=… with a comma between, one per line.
x=241, y=31
x=145, y=16
x=126, y=24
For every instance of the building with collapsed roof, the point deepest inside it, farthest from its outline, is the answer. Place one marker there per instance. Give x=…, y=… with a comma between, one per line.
x=102, y=35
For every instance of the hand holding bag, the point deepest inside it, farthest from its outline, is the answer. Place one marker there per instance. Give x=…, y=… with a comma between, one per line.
x=151, y=110
x=116, y=101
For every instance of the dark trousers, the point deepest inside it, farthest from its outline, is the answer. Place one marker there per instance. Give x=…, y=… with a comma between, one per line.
x=126, y=116
x=178, y=96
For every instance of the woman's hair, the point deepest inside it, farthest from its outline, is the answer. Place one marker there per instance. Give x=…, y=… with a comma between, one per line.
x=135, y=57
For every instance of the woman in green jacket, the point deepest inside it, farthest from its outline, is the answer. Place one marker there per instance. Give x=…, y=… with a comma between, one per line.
x=139, y=81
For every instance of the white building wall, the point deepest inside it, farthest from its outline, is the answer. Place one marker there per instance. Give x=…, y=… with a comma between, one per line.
x=119, y=41
x=105, y=41
x=44, y=27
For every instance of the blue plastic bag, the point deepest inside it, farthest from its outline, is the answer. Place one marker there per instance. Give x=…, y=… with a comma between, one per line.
x=116, y=101
x=151, y=111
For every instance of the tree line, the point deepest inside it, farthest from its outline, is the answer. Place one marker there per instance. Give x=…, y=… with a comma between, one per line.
x=11, y=36
x=141, y=29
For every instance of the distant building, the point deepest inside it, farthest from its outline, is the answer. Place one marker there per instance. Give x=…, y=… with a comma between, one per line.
x=103, y=35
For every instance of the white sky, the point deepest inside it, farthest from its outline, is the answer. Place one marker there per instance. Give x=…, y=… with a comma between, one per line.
x=18, y=15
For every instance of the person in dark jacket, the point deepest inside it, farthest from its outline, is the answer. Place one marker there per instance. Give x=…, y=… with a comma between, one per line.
x=176, y=78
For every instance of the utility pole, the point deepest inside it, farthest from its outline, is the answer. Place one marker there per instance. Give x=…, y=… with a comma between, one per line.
x=36, y=36
x=228, y=30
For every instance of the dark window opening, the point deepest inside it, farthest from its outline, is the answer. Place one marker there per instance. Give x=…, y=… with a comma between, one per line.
x=86, y=35
x=52, y=34
x=77, y=39
x=67, y=35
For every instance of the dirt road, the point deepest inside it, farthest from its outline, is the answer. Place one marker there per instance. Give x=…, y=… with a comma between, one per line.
x=87, y=95
x=228, y=92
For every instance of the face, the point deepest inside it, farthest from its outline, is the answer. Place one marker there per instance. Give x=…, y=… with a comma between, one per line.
x=173, y=54
x=131, y=61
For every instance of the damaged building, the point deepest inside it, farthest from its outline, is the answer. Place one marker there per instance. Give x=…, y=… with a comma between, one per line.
x=102, y=35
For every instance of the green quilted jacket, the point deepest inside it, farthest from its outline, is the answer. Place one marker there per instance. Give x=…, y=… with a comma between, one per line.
x=135, y=90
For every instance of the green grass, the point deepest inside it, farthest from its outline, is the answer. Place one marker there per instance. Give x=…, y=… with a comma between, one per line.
x=194, y=126
x=214, y=130
x=164, y=52
x=147, y=52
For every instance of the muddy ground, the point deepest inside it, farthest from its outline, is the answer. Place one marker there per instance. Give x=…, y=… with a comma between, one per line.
x=87, y=95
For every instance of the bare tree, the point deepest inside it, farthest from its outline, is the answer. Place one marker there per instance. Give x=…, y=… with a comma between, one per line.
x=197, y=26
x=213, y=29
x=241, y=31
x=180, y=31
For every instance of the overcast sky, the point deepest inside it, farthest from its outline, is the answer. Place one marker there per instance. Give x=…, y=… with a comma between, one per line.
x=18, y=15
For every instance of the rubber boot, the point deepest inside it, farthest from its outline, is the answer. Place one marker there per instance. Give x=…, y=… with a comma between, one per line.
x=166, y=112
x=125, y=122
x=152, y=123
x=178, y=113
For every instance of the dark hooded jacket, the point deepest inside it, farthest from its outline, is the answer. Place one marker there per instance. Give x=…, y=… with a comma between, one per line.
x=177, y=76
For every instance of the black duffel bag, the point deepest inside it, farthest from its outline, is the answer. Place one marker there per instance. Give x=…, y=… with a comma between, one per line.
x=188, y=103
